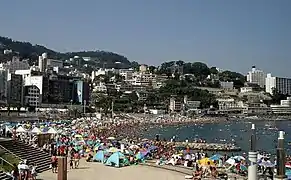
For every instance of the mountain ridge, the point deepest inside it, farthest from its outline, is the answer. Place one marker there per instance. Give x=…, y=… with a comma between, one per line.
x=27, y=50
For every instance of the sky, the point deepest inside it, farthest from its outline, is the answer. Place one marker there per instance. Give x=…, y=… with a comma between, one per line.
x=229, y=34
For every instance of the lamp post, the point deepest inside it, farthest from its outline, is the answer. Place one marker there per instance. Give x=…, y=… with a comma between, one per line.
x=253, y=156
x=281, y=158
x=84, y=107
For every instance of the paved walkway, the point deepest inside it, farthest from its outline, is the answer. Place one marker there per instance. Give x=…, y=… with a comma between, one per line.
x=97, y=171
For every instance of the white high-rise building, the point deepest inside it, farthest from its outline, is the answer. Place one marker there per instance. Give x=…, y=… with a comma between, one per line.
x=282, y=85
x=256, y=76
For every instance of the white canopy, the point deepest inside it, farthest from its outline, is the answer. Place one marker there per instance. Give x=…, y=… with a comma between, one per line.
x=36, y=130
x=20, y=129
x=52, y=131
x=7, y=129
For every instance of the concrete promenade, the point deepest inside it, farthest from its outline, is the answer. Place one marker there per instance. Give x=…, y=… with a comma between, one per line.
x=97, y=171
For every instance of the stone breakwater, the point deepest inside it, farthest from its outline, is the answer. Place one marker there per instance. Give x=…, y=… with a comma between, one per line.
x=208, y=146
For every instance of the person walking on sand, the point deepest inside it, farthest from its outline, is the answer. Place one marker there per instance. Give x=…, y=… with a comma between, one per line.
x=54, y=163
x=77, y=159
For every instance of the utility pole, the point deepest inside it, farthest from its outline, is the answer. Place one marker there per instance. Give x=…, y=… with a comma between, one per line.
x=84, y=107
x=112, y=106
x=71, y=108
x=281, y=158
x=253, y=156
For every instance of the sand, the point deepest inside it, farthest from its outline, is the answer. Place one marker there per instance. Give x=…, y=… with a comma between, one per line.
x=97, y=171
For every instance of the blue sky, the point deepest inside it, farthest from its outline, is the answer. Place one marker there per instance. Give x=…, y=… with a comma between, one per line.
x=230, y=34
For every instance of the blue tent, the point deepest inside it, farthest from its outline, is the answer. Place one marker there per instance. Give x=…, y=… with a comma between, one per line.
x=114, y=159
x=139, y=156
x=99, y=156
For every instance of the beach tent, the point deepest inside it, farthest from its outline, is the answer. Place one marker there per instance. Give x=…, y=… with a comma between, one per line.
x=139, y=156
x=20, y=129
x=117, y=160
x=7, y=129
x=99, y=156
x=52, y=131
x=36, y=130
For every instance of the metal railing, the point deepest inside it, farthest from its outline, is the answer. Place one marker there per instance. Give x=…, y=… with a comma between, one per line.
x=10, y=152
x=3, y=160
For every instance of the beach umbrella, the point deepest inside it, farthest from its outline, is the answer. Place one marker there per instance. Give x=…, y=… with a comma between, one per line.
x=230, y=161
x=267, y=164
x=134, y=147
x=128, y=152
x=152, y=148
x=205, y=161
x=78, y=136
x=215, y=157
x=112, y=150
x=243, y=168
x=238, y=158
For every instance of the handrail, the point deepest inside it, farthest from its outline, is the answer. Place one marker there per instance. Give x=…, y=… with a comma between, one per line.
x=6, y=162
x=10, y=152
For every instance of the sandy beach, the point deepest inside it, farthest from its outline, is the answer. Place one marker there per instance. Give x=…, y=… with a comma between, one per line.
x=97, y=171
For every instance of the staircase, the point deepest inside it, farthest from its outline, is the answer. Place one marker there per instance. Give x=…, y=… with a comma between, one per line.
x=4, y=176
x=29, y=153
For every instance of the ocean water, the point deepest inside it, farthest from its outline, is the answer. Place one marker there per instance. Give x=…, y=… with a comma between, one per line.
x=235, y=132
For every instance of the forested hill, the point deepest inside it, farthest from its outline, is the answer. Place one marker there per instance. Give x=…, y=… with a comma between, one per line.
x=27, y=50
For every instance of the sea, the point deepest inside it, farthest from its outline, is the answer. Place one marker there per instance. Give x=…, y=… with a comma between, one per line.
x=236, y=132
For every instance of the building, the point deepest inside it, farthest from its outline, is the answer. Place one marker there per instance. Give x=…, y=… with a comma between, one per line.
x=281, y=85
x=257, y=77
x=143, y=68
x=246, y=89
x=32, y=90
x=175, y=105
x=16, y=64
x=126, y=73
x=81, y=92
x=99, y=87
x=283, y=109
x=143, y=79
x=189, y=105
x=3, y=87
x=14, y=89
x=7, y=51
x=257, y=108
x=226, y=85
x=31, y=95
x=52, y=63
x=142, y=95
x=44, y=63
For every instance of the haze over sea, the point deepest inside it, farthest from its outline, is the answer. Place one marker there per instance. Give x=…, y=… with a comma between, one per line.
x=235, y=131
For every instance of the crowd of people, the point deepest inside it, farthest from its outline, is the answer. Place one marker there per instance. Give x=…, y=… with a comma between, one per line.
x=82, y=138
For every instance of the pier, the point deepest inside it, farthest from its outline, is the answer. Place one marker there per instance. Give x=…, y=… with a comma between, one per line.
x=208, y=146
